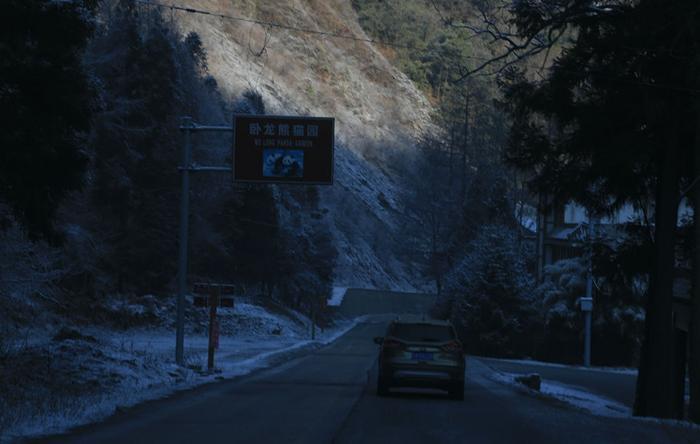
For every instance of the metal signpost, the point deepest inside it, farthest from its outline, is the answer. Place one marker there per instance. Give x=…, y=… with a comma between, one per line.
x=273, y=149
x=188, y=127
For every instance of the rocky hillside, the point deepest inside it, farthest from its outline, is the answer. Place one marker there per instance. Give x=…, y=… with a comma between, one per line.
x=378, y=111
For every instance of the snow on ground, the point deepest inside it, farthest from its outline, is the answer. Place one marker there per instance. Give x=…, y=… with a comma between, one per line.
x=575, y=396
x=595, y=404
x=580, y=398
x=623, y=370
x=337, y=296
x=86, y=376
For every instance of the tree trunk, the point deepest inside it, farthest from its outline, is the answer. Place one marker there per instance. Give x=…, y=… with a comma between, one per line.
x=451, y=155
x=434, y=259
x=694, y=411
x=465, y=147
x=655, y=384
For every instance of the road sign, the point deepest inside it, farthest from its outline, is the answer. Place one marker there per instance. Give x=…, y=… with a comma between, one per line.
x=204, y=301
x=586, y=304
x=283, y=149
x=219, y=295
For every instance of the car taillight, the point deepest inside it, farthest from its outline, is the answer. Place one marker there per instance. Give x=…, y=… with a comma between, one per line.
x=392, y=343
x=452, y=347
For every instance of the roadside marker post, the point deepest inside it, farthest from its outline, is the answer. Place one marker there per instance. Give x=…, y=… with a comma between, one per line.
x=213, y=296
x=586, y=304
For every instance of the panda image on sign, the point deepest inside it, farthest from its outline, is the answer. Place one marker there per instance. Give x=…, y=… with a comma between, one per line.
x=283, y=163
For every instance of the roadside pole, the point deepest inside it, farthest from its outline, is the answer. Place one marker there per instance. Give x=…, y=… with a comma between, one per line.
x=589, y=297
x=587, y=302
x=313, y=322
x=214, y=299
x=587, y=346
x=182, y=252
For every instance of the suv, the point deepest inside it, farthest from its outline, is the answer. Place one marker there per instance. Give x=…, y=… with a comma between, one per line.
x=421, y=353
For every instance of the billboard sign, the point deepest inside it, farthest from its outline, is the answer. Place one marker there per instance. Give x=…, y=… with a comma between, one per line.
x=283, y=149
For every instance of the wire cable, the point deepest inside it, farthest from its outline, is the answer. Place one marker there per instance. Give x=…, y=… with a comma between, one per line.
x=271, y=24
x=390, y=44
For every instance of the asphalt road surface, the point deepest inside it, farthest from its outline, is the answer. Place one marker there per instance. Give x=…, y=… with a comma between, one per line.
x=358, y=302
x=610, y=384
x=329, y=396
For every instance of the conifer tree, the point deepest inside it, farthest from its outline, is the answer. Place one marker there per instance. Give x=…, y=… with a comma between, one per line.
x=45, y=105
x=612, y=123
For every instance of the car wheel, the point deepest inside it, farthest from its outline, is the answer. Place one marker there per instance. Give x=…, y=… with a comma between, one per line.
x=457, y=391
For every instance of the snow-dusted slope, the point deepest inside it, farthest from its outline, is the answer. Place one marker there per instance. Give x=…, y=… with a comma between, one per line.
x=82, y=376
x=375, y=107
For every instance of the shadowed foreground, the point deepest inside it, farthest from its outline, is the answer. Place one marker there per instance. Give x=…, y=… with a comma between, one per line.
x=329, y=396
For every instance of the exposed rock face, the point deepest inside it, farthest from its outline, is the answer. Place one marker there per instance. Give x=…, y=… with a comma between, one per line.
x=375, y=106
x=310, y=73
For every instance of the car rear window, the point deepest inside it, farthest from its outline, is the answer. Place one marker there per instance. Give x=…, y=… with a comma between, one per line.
x=422, y=332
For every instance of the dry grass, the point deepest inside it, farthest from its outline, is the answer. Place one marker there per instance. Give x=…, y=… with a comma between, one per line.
x=350, y=80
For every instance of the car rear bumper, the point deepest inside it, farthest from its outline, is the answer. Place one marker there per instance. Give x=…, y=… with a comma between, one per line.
x=422, y=376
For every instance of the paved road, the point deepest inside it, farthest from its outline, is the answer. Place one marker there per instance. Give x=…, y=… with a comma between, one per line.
x=613, y=385
x=328, y=396
x=358, y=302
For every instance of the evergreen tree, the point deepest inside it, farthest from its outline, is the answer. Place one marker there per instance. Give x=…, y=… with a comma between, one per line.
x=308, y=254
x=148, y=76
x=256, y=242
x=489, y=294
x=45, y=100
x=612, y=123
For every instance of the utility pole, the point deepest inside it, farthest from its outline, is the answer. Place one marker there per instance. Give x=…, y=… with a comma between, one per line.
x=587, y=302
x=182, y=251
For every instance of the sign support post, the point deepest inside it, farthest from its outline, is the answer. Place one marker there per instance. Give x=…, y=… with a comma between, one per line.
x=214, y=297
x=188, y=127
x=182, y=252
